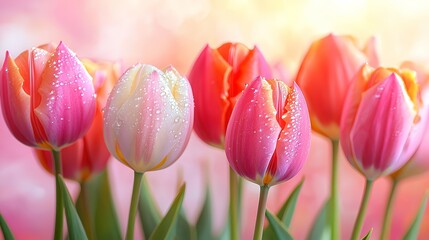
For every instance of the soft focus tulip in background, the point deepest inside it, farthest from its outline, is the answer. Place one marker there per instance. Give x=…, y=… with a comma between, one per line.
x=170, y=32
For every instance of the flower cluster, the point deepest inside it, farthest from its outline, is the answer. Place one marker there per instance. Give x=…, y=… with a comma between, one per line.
x=77, y=112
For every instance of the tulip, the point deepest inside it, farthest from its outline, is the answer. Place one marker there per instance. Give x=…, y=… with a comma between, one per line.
x=88, y=155
x=148, y=118
x=218, y=77
x=382, y=124
x=148, y=121
x=47, y=97
x=48, y=102
x=325, y=75
x=268, y=136
x=419, y=162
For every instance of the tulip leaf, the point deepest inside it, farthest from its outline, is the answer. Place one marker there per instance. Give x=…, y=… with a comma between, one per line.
x=368, y=235
x=106, y=219
x=413, y=231
x=321, y=228
x=149, y=213
x=225, y=234
x=7, y=233
x=279, y=228
x=86, y=210
x=96, y=208
x=74, y=225
x=166, y=228
x=286, y=211
x=184, y=230
x=204, y=222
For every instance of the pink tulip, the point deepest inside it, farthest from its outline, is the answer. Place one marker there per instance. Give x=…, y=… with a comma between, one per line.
x=218, y=77
x=325, y=75
x=268, y=136
x=88, y=155
x=419, y=162
x=148, y=118
x=48, y=98
x=381, y=125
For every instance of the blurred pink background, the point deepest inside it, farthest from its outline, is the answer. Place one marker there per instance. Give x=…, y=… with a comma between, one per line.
x=163, y=32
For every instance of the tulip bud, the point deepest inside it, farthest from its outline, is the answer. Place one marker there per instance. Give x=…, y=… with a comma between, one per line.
x=217, y=78
x=381, y=126
x=48, y=98
x=88, y=155
x=325, y=75
x=148, y=117
x=268, y=136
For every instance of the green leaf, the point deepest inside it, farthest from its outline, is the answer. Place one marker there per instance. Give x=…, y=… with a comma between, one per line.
x=184, y=230
x=321, y=229
x=204, y=222
x=286, y=211
x=74, y=225
x=413, y=231
x=86, y=211
x=7, y=233
x=368, y=235
x=106, y=219
x=280, y=229
x=96, y=208
x=225, y=234
x=148, y=210
x=165, y=229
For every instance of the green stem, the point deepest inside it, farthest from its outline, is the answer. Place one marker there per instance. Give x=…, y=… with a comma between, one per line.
x=58, y=234
x=362, y=210
x=233, y=205
x=388, y=212
x=334, y=200
x=260, y=217
x=133, y=207
x=85, y=212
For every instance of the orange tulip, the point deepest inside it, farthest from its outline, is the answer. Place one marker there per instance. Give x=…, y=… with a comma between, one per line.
x=325, y=75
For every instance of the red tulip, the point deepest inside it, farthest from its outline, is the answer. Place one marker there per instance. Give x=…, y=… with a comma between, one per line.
x=217, y=78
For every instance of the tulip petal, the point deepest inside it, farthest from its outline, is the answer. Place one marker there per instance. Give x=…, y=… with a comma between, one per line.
x=247, y=65
x=381, y=127
x=209, y=72
x=67, y=103
x=293, y=143
x=253, y=141
x=16, y=101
